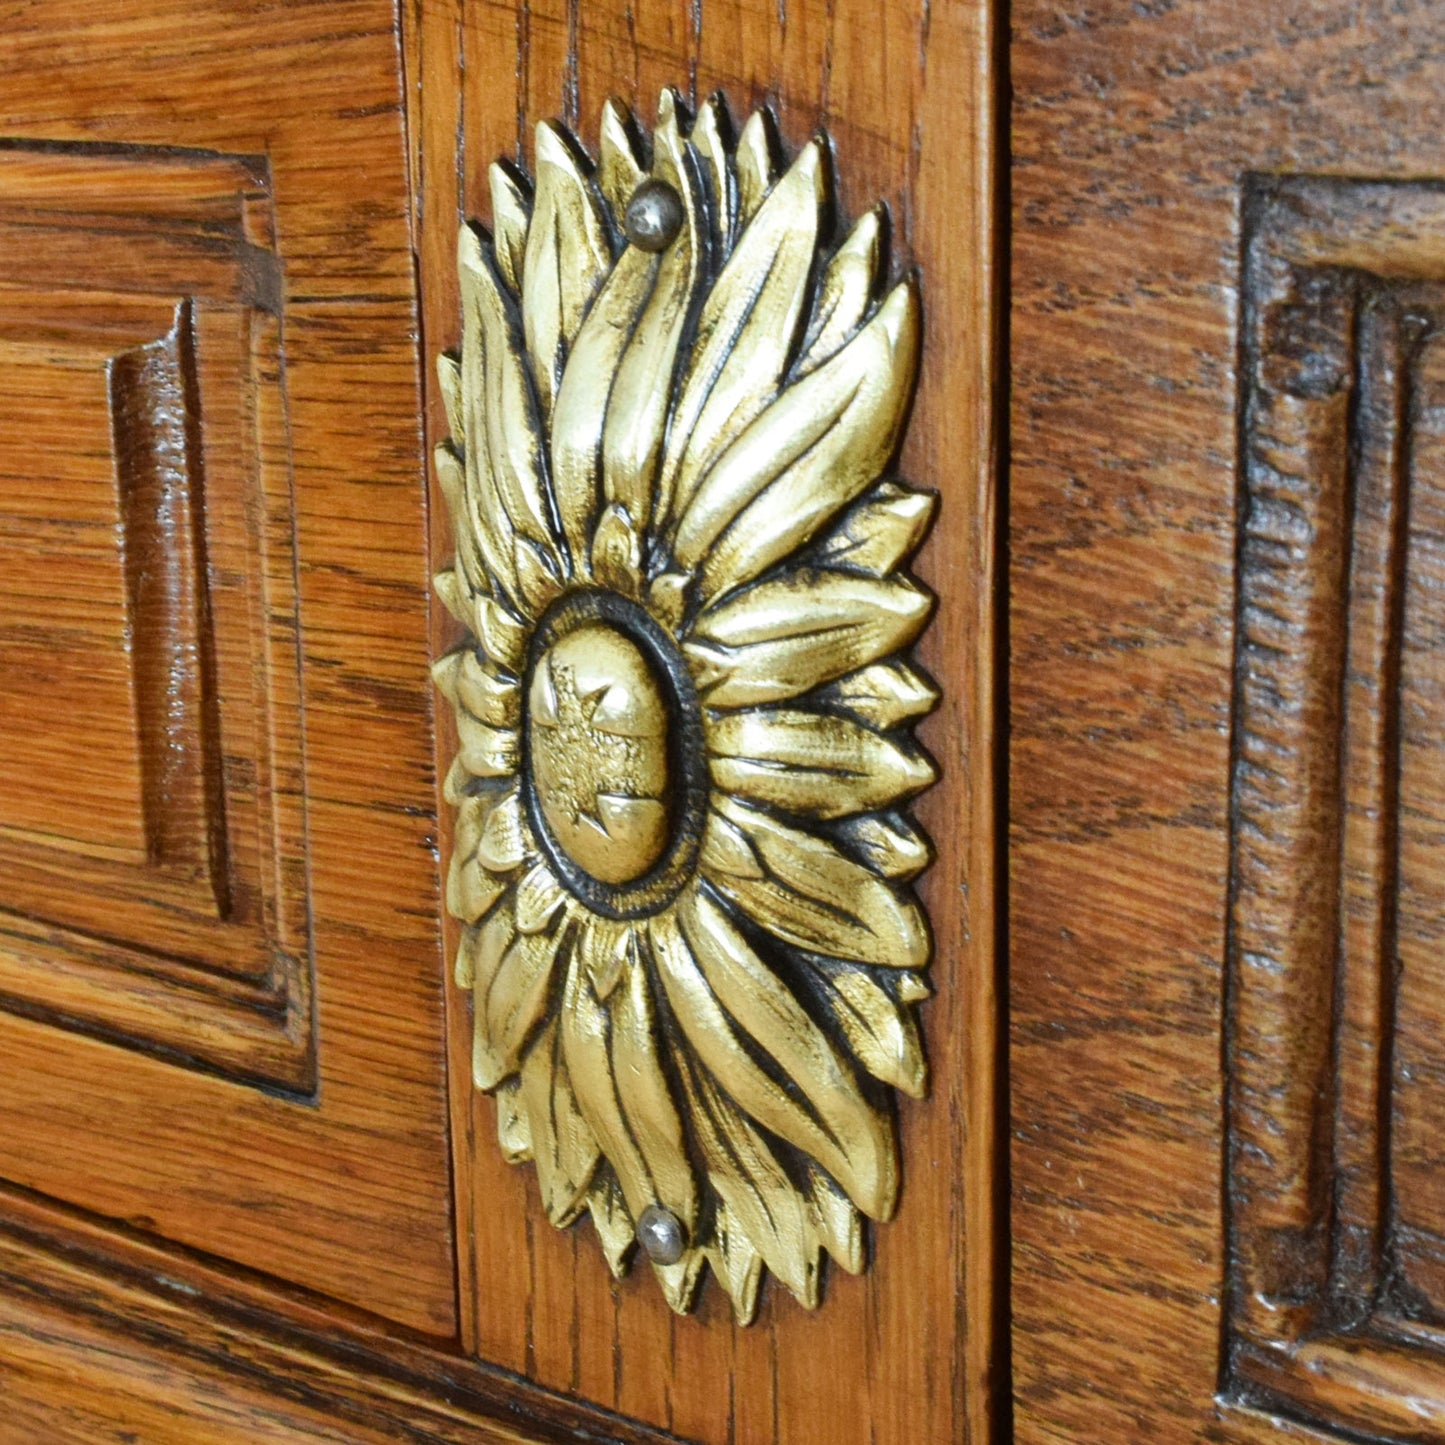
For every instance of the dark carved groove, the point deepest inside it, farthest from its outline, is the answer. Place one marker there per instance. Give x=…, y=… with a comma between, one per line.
x=1344, y=283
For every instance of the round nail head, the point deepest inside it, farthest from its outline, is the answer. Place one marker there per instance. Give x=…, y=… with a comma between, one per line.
x=654, y=216
x=659, y=1232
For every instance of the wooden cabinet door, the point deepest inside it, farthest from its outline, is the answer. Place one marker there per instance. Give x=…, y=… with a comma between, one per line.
x=1228, y=256
x=220, y=1007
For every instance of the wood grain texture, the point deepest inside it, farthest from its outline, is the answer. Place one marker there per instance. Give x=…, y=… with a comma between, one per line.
x=108, y=1336
x=1136, y=132
x=1334, y=1020
x=150, y=646
x=909, y=1352
x=247, y=165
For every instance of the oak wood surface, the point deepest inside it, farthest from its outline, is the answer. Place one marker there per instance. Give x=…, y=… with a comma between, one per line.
x=246, y=162
x=911, y=1351
x=1176, y=1159
x=112, y=1335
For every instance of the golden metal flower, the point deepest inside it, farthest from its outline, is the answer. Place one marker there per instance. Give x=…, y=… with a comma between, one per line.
x=682, y=704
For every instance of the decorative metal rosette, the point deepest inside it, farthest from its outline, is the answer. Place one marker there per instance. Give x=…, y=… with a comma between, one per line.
x=683, y=702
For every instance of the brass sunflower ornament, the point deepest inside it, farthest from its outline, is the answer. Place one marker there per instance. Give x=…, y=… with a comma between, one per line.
x=683, y=702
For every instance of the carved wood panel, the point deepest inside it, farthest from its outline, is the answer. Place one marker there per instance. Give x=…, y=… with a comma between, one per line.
x=150, y=812
x=1173, y=334
x=220, y=964
x=1336, y=1061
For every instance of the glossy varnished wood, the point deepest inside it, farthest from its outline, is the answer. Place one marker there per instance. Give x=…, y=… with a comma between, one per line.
x=150, y=613
x=110, y=1336
x=911, y=1351
x=208, y=268
x=1204, y=567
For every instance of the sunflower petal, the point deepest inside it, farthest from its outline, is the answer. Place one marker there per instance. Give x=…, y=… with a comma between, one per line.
x=473, y=556
x=746, y=331
x=646, y=1097
x=836, y=1222
x=513, y=1131
x=880, y=530
x=539, y=896
x=726, y=852
x=812, y=763
x=454, y=594
x=562, y=1144
x=679, y=1281
x=737, y=1265
x=444, y=673
x=756, y=164
x=485, y=751
x=485, y=693
x=511, y=1003
x=889, y=845
x=489, y=943
x=820, y=444
x=808, y=894
x=567, y=257
x=613, y=1223
x=483, y=527
x=885, y=694
x=515, y=464
x=582, y=398
x=466, y=681
x=913, y=988
x=617, y=552
x=608, y=948
x=538, y=580
x=472, y=888
x=472, y=891
x=457, y=784
x=849, y=284
x=638, y=407
x=667, y=597
x=787, y=636
x=707, y=137
x=619, y=171
x=756, y=1192
x=463, y=901
x=733, y=1010
x=449, y=383
x=501, y=633
x=611, y=1057
x=509, y=224
x=503, y=842
x=462, y=974
x=880, y=1031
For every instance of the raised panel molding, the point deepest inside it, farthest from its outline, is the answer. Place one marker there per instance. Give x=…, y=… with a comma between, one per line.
x=1335, y=1057
x=152, y=854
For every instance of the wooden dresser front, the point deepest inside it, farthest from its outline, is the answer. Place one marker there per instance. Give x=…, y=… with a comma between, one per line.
x=1031, y=1030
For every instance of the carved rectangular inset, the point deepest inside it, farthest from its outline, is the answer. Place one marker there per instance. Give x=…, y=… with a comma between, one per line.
x=152, y=867
x=1337, y=1053
x=156, y=421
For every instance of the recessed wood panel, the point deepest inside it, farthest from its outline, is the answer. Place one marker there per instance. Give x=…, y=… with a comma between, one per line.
x=64, y=650
x=1336, y=1060
x=142, y=827
x=1417, y=1154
